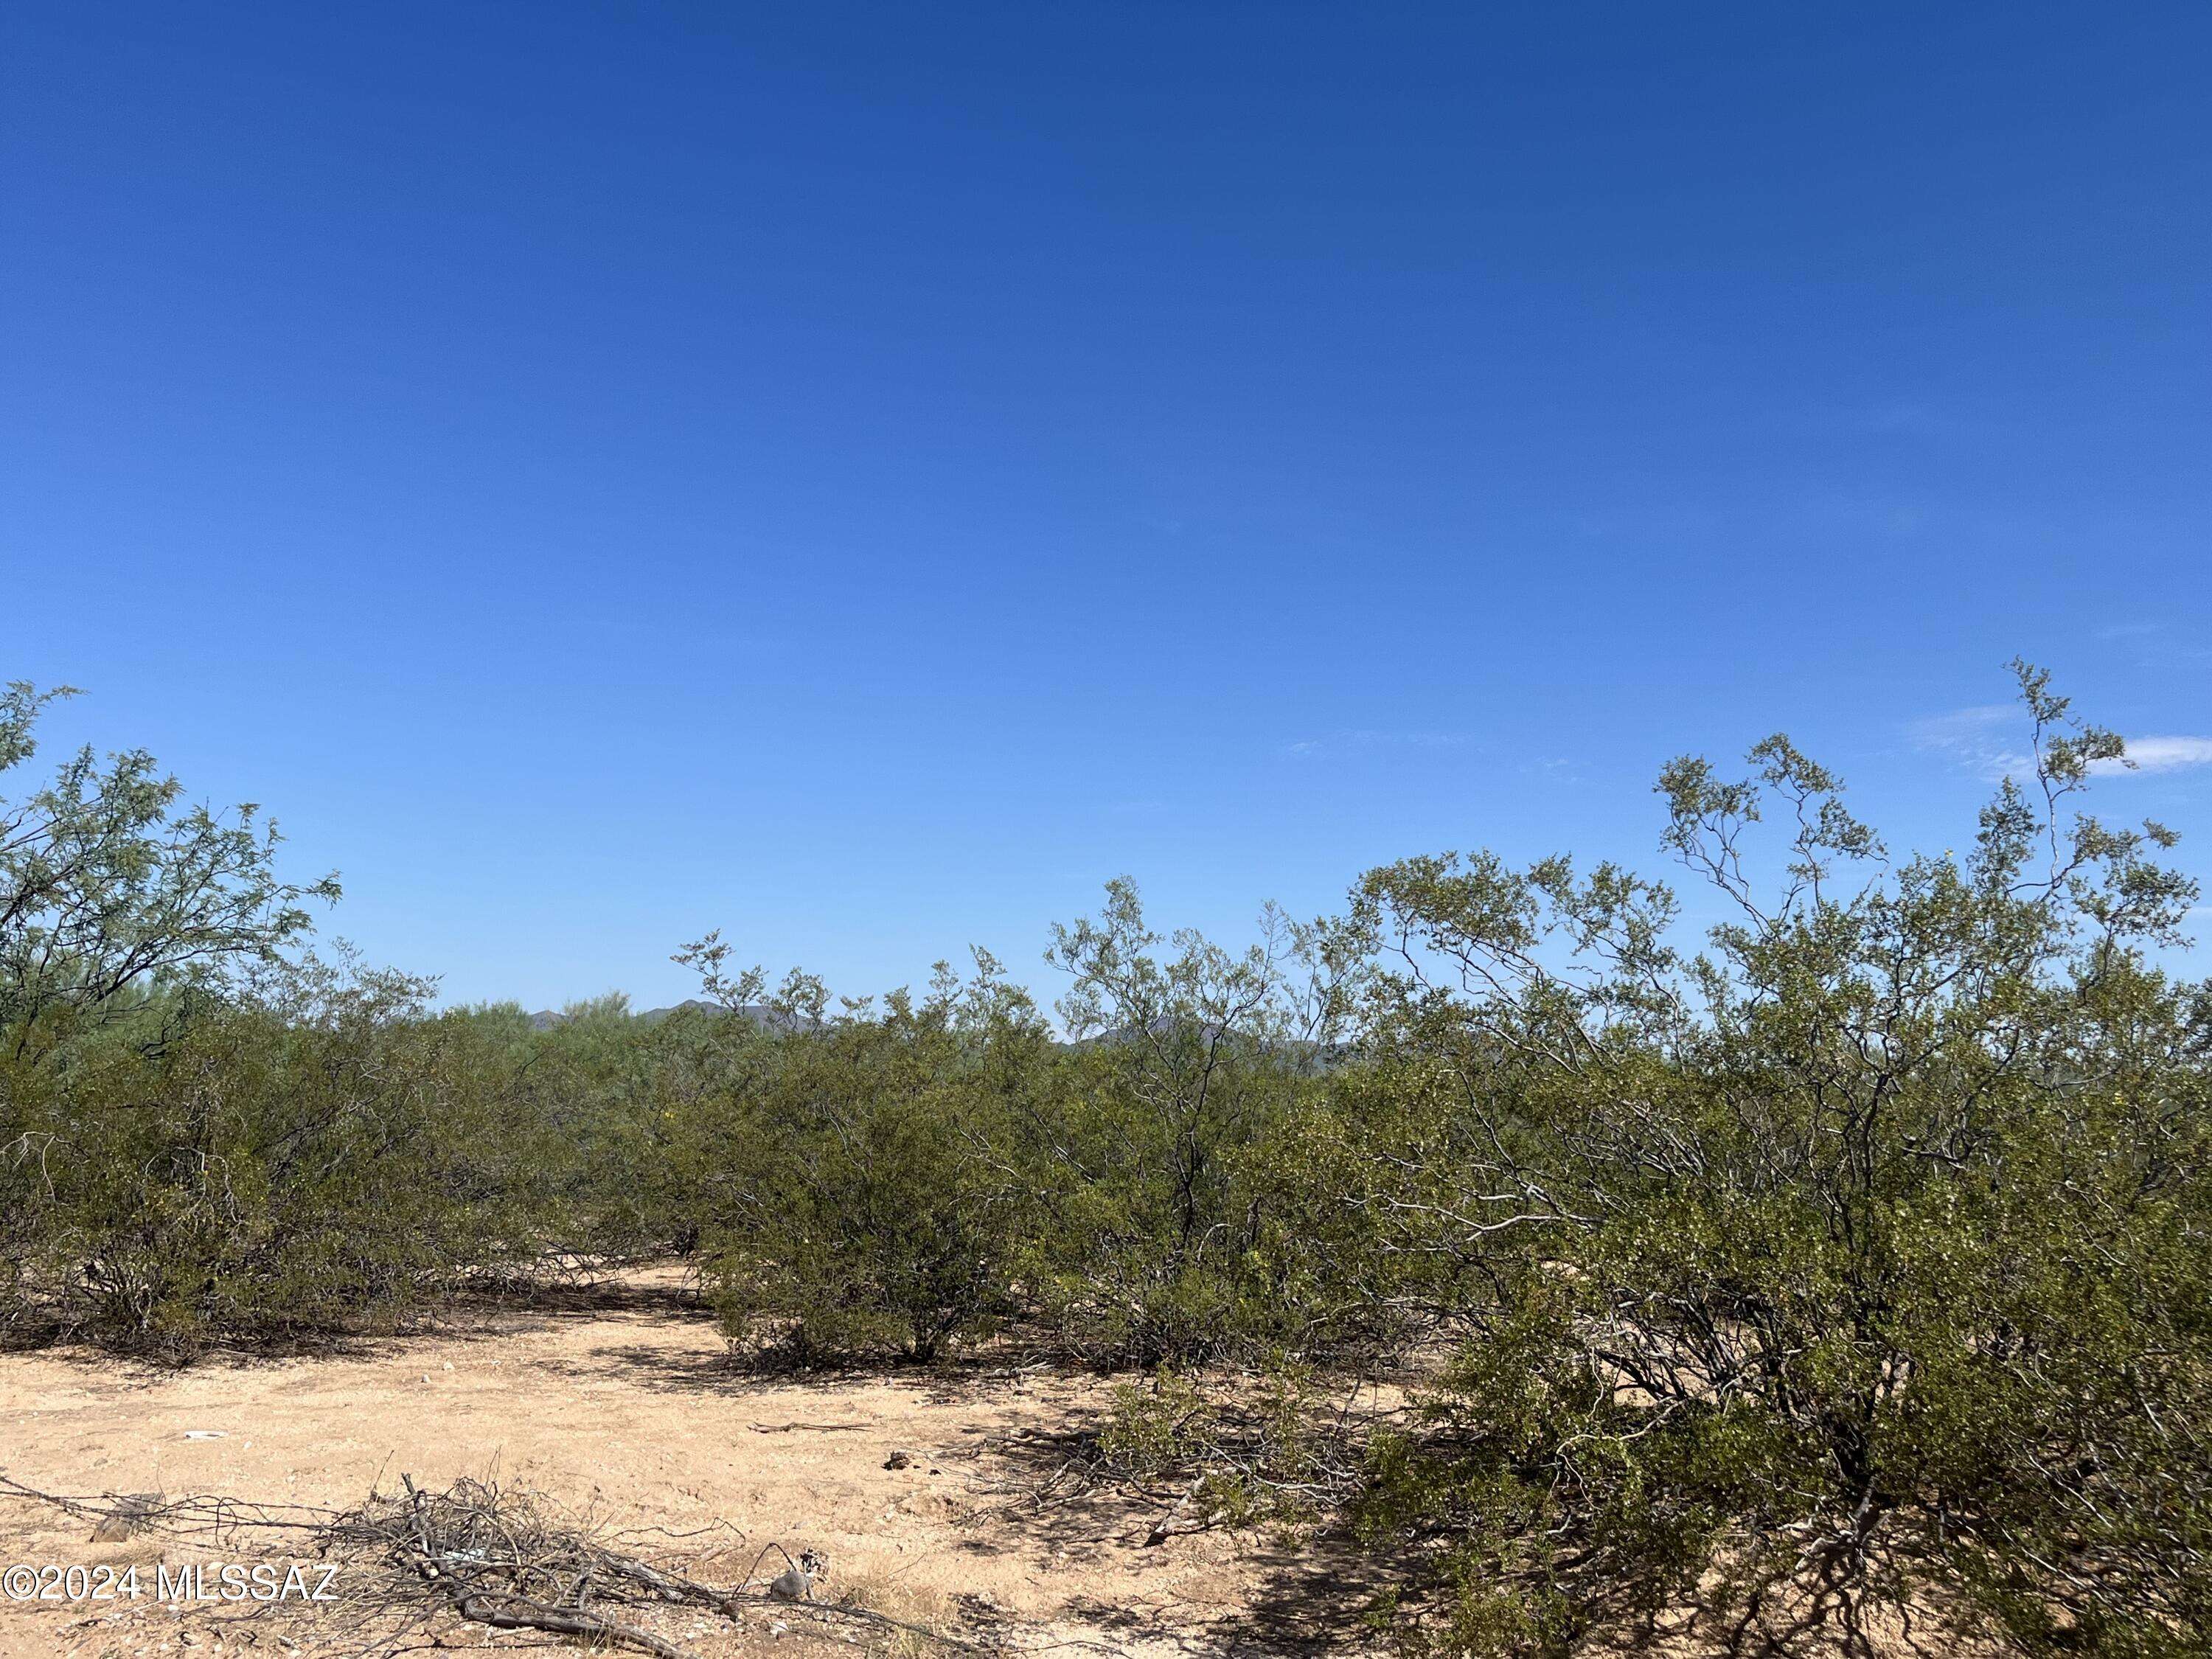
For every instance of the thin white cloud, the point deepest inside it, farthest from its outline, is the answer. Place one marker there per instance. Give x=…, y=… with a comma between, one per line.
x=1976, y=738
x=2162, y=755
x=1345, y=742
x=1938, y=731
x=1985, y=740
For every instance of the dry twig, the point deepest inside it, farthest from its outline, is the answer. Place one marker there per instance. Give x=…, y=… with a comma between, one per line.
x=477, y=1552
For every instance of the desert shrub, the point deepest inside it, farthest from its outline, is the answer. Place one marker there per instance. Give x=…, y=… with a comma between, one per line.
x=892, y=1181
x=852, y=1206
x=1854, y=1266
x=602, y=1090
x=327, y=1161
x=1265, y=1450
x=1157, y=1206
x=124, y=918
x=1346, y=1245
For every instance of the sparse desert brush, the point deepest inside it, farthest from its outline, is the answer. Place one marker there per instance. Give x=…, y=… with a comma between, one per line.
x=1858, y=1259
x=895, y=1597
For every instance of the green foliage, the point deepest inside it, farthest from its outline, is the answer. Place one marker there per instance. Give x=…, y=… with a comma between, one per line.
x=108, y=892
x=1857, y=1263
x=1256, y=1451
x=852, y=1206
x=324, y=1158
x=1153, y=1162
x=896, y=1180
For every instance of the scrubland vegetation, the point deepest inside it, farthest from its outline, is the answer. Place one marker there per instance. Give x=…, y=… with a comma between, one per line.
x=1853, y=1261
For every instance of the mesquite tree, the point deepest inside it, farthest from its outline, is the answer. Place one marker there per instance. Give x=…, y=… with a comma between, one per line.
x=109, y=889
x=121, y=913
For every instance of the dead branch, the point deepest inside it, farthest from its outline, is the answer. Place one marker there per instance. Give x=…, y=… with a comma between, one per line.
x=477, y=1552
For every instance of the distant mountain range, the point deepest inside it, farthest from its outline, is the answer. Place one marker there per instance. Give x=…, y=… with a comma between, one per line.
x=1310, y=1055
x=758, y=1012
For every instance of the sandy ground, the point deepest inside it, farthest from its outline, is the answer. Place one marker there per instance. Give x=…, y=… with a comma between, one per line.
x=623, y=1407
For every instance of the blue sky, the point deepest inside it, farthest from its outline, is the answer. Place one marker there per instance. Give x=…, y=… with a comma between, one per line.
x=861, y=476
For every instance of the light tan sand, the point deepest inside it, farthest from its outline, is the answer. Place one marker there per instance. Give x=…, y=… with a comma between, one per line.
x=626, y=1410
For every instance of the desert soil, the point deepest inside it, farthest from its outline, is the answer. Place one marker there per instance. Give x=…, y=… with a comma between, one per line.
x=622, y=1407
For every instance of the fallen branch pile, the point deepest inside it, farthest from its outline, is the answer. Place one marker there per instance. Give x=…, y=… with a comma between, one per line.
x=414, y=1560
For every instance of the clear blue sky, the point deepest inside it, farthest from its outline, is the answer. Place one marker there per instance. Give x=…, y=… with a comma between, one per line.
x=861, y=475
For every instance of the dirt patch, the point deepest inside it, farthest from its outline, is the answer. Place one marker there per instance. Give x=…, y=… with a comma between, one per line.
x=622, y=1408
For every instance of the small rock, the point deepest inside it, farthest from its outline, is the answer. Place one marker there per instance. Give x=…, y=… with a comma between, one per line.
x=128, y=1519
x=899, y=1459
